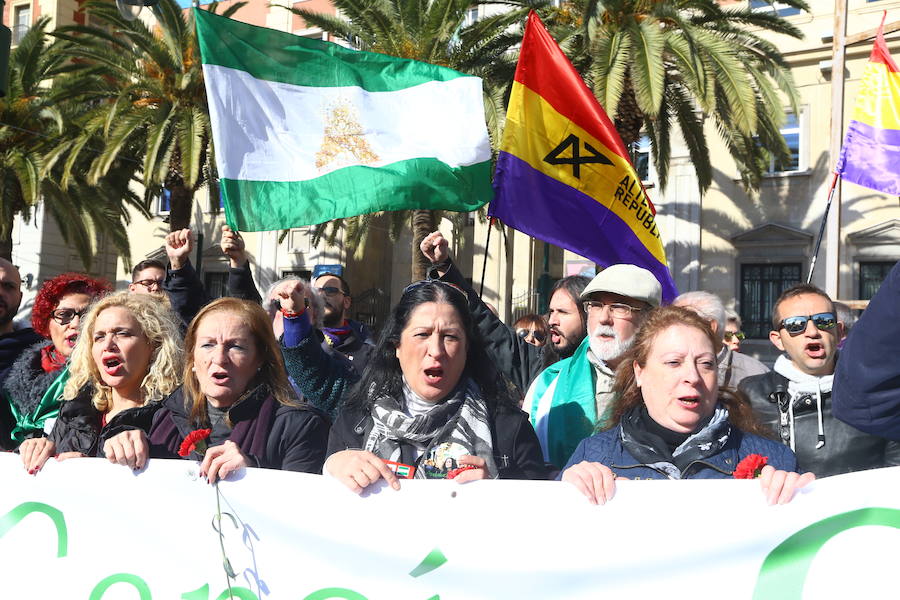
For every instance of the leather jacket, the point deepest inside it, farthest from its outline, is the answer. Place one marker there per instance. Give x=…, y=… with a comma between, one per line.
x=840, y=449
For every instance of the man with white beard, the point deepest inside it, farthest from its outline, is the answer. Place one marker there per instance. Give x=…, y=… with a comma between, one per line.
x=570, y=398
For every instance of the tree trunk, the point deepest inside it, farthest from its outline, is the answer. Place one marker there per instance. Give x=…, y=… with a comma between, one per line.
x=423, y=223
x=6, y=240
x=180, y=204
x=629, y=120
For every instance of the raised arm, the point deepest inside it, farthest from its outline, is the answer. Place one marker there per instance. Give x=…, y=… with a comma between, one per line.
x=182, y=284
x=518, y=360
x=240, y=280
x=866, y=390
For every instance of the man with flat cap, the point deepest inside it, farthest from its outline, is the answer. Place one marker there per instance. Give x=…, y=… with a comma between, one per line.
x=571, y=397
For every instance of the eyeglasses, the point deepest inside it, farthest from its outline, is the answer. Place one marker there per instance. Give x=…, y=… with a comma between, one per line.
x=539, y=336
x=330, y=290
x=616, y=309
x=734, y=334
x=797, y=325
x=64, y=316
x=150, y=283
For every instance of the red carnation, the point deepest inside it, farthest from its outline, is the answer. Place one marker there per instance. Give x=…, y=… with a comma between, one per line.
x=751, y=467
x=194, y=442
x=452, y=473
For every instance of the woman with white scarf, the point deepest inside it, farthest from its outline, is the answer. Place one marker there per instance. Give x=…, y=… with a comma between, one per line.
x=431, y=393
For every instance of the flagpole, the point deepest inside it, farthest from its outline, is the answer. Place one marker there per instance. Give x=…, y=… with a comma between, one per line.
x=812, y=263
x=487, y=246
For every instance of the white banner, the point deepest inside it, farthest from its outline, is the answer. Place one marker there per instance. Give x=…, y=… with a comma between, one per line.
x=85, y=529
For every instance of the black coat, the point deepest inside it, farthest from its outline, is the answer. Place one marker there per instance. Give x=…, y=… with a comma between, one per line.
x=296, y=436
x=846, y=448
x=78, y=428
x=517, y=452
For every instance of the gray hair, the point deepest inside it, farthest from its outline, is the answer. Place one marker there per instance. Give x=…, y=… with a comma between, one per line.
x=272, y=305
x=845, y=315
x=707, y=305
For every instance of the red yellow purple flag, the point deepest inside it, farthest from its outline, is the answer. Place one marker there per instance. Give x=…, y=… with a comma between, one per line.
x=563, y=174
x=870, y=155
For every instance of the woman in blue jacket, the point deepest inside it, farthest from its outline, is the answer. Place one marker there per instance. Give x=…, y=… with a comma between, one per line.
x=673, y=422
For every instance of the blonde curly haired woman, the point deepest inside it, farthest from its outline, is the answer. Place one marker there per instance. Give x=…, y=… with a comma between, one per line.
x=128, y=357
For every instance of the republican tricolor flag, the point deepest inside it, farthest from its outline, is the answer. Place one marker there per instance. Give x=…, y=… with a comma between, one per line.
x=870, y=155
x=563, y=174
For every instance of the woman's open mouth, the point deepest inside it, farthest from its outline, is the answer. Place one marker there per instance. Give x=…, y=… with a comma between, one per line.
x=689, y=401
x=113, y=366
x=434, y=376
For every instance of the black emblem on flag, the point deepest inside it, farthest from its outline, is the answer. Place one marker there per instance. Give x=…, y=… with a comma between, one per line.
x=577, y=159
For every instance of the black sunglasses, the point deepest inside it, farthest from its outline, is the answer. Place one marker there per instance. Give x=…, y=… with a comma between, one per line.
x=330, y=290
x=797, y=325
x=539, y=336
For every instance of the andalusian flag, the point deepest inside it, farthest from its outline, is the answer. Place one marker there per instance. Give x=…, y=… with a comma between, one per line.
x=307, y=131
x=871, y=153
x=563, y=174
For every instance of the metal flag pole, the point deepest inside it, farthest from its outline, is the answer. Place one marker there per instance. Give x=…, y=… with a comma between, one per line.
x=812, y=263
x=487, y=246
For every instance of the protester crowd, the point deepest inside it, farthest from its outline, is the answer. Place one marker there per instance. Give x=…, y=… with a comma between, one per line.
x=609, y=385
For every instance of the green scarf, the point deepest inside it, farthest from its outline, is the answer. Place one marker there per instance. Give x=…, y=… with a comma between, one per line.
x=572, y=414
x=48, y=408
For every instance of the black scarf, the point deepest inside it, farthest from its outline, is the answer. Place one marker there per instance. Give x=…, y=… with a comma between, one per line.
x=651, y=449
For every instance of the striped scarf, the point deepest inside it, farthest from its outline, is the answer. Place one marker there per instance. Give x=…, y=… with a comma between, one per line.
x=461, y=418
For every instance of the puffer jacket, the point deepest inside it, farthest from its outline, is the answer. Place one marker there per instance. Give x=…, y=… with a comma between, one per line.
x=78, y=427
x=608, y=449
x=846, y=449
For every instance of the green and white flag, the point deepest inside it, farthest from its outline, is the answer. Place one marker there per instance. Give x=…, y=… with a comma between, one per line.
x=307, y=131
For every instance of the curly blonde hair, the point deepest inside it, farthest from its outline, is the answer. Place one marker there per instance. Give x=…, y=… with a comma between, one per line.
x=158, y=324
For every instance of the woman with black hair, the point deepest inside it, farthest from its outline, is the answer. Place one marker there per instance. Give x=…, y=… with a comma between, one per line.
x=431, y=393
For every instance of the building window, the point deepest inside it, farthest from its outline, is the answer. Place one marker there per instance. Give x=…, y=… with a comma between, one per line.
x=641, y=156
x=871, y=276
x=301, y=273
x=782, y=10
x=471, y=17
x=761, y=284
x=21, y=23
x=164, y=202
x=792, y=131
x=215, y=282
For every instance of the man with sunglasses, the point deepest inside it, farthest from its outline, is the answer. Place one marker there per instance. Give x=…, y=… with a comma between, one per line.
x=341, y=333
x=795, y=398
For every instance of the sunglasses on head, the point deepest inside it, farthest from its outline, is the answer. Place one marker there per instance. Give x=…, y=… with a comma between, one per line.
x=448, y=285
x=797, y=325
x=539, y=336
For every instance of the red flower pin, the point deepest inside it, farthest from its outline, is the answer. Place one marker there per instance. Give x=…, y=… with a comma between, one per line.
x=751, y=467
x=194, y=441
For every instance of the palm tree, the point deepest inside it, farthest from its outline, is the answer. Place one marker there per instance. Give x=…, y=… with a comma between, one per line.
x=148, y=97
x=437, y=32
x=31, y=123
x=654, y=64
